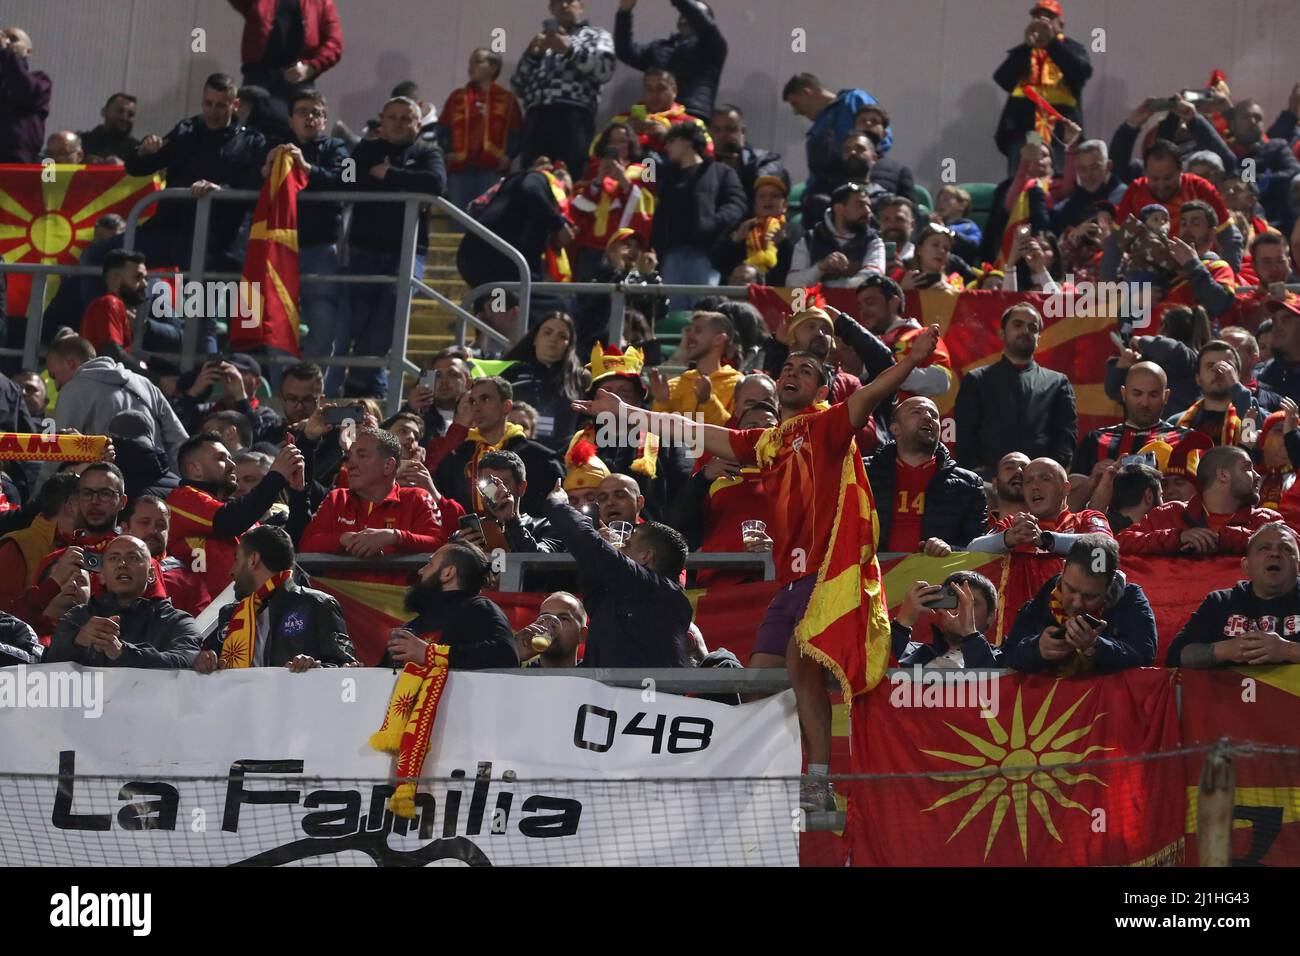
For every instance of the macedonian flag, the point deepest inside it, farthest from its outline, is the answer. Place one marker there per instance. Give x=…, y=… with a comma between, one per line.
x=48, y=215
x=271, y=264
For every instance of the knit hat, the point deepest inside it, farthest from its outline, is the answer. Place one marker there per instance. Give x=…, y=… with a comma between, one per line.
x=585, y=469
x=775, y=181
x=815, y=314
x=1265, y=429
x=1182, y=458
x=1051, y=6
x=1150, y=208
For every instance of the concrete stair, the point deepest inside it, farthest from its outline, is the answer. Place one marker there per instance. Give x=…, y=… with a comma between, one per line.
x=433, y=326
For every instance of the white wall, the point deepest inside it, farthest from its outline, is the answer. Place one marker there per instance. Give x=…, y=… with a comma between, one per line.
x=929, y=61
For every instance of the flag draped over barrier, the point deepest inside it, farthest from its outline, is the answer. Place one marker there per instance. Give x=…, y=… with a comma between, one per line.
x=271, y=263
x=48, y=215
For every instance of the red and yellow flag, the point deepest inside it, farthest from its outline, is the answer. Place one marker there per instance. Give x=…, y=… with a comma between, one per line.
x=48, y=215
x=271, y=264
x=25, y=446
x=1002, y=785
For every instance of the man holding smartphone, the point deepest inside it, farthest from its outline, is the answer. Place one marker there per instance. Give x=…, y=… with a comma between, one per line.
x=964, y=606
x=1088, y=618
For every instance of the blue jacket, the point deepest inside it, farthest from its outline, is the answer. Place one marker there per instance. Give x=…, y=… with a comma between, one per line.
x=829, y=129
x=1129, y=639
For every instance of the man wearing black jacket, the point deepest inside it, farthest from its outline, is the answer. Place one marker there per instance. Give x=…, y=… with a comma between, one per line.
x=525, y=213
x=700, y=200
x=694, y=54
x=1056, y=66
x=957, y=636
x=1052, y=632
x=449, y=610
x=122, y=627
x=728, y=131
x=924, y=502
x=205, y=152
x=509, y=528
x=18, y=642
x=1015, y=404
x=397, y=161
x=638, y=614
x=297, y=627
x=322, y=304
x=1255, y=622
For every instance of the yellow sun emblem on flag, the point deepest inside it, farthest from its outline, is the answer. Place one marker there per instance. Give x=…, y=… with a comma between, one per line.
x=1019, y=768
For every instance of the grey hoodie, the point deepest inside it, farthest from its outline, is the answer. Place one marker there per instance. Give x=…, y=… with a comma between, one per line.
x=101, y=388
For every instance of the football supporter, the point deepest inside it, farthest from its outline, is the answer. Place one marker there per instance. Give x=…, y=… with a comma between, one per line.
x=124, y=627
x=503, y=481
x=1177, y=464
x=149, y=519
x=1167, y=185
x=880, y=309
x=1084, y=620
x=1224, y=401
x=207, y=517
x=274, y=622
x=821, y=527
x=707, y=389
x=563, y=636
x=375, y=516
x=1047, y=523
x=1128, y=493
x=107, y=322
x=1257, y=621
x=924, y=502
x=1281, y=373
x=1008, y=487
x=1219, y=520
x=957, y=636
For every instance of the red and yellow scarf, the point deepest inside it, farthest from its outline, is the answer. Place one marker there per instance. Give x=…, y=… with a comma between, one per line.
x=760, y=243
x=1231, y=434
x=499, y=112
x=409, y=719
x=646, y=461
x=241, y=631
x=481, y=447
x=557, y=260
x=1045, y=87
x=1079, y=664
x=37, y=446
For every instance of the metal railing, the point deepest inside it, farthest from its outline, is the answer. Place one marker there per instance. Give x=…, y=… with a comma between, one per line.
x=511, y=579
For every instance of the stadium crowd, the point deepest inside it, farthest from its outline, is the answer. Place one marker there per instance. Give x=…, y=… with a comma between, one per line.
x=825, y=430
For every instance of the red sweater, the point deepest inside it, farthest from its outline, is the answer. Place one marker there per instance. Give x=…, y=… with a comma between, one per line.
x=1190, y=187
x=1160, y=530
x=411, y=512
x=106, y=321
x=322, y=36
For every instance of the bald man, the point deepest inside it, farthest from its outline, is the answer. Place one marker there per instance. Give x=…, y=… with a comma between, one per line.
x=64, y=147
x=620, y=499
x=1046, y=523
x=24, y=99
x=121, y=627
x=1144, y=393
x=924, y=502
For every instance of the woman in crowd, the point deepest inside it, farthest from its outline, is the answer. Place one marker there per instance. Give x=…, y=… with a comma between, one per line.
x=547, y=374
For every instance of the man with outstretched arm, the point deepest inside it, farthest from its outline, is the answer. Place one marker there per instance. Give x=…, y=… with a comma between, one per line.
x=822, y=528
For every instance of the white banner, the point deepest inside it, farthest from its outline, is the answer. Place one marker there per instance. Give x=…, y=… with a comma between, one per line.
x=138, y=767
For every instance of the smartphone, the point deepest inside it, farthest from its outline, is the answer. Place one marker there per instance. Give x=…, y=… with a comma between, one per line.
x=1092, y=621
x=488, y=490
x=429, y=379
x=550, y=25
x=652, y=353
x=592, y=511
x=612, y=153
x=1117, y=339
x=946, y=601
x=927, y=280
x=92, y=560
x=1161, y=105
x=1277, y=290
x=336, y=415
x=1196, y=96
x=1142, y=458
x=471, y=523
x=891, y=248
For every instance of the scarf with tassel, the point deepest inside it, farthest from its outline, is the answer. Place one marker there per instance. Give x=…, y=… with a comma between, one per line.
x=760, y=243
x=240, y=644
x=409, y=719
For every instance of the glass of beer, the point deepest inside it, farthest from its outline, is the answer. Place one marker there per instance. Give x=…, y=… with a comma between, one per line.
x=752, y=531
x=622, y=531
x=551, y=625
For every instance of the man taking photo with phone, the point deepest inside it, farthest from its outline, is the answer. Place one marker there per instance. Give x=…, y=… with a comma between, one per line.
x=962, y=609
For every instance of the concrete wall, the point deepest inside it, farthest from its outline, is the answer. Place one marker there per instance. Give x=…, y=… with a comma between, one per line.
x=929, y=61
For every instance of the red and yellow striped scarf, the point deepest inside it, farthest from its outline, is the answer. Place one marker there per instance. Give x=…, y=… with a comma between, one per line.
x=1045, y=88
x=557, y=260
x=646, y=461
x=481, y=447
x=496, y=122
x=237, y=650
x=760, y=245
x=1080, y=663
x=1231, y=433
x=409, y=719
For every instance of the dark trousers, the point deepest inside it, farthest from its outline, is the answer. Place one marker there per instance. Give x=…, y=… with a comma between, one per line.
x=559, y=132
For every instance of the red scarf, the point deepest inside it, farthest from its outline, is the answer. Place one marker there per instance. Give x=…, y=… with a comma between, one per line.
x=237, y=650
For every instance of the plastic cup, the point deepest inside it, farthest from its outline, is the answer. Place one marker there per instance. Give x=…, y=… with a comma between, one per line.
x=752, y=531
x=622, y=531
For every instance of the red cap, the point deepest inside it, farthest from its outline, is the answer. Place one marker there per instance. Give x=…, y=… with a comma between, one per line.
x=1051, y=6
x=1290, y=305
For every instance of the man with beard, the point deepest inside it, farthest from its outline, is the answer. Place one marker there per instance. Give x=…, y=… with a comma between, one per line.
x=1008, y=487
x=124, y=626
x=1207, y=280
x=706, y=388
x=1224, y=402
x=1165, y=183
x=880, y=307
x=107, y=321
x=1271, y=260
x=1094, y=181
x=1271, y=159
x=1144, y=392
x=1255, y=622
x=731, y=146
x=149, y=519
x=571, y=631
x=1046, y=523
x=1220, y=520
x=275, y=622
x=842, y=249
x=111, y=142
x=449, y=610
x=1015, y=404
x=924, y=502
x=814, y=478
x=1281, y=373
x=857, y=155
x=897, y=218
x=207, y=517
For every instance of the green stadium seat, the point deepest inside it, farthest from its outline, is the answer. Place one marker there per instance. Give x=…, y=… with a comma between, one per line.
x=673, y=323
x=922, y=197
x=981, y=201
x=796, y=195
